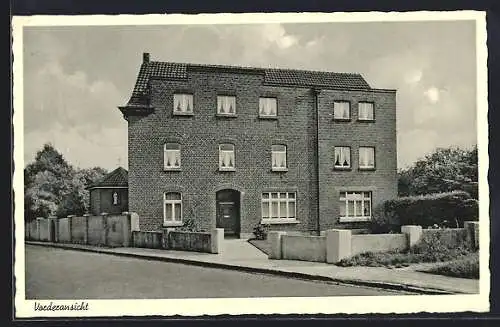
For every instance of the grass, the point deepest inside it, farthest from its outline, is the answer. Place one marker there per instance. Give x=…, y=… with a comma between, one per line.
x=262, y=245
x=430, y=249
x=467, y=267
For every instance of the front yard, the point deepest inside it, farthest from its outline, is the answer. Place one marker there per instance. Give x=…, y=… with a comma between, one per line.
x=431, y=255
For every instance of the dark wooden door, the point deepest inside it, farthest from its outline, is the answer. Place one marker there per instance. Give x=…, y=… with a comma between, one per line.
x=228, y=212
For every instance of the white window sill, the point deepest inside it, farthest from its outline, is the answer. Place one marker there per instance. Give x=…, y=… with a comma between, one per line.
x=172, y=169
x=354, y=219
x=280, y=169
x=183, y=113
x=272, y=221
x=229, y=115
x=172, y=223
x=268, y=117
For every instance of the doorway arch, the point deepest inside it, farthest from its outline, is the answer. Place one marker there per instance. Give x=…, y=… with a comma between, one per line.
x=227, y=204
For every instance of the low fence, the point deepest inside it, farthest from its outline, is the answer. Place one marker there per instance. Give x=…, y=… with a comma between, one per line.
x=105, y=230
x=337, y=244
x=209, y=242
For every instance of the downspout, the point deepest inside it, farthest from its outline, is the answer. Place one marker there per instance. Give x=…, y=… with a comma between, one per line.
x=316, y=93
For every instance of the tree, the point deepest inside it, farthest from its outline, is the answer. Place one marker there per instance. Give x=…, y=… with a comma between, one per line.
x=46, y=180
x=445, y=170
x=52, y=187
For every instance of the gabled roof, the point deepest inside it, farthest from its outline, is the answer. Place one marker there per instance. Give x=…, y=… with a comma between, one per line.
x=116, y=178
x=285, y=77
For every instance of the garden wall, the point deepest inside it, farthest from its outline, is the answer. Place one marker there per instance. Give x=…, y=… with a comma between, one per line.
x=190, y=241
x=116, y=231
x=64, y=230
x=338, y=244
x=378, y=243
x=150, y=240
x=306, y=248
x=94, y=230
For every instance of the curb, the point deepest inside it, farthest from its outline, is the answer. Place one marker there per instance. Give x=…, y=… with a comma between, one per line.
x=276, y=272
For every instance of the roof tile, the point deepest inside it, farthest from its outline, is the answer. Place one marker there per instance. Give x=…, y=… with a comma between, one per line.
x=116, y=178
x=300, y=78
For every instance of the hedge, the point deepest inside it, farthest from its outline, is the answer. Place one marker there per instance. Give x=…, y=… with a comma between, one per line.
x=449, y=209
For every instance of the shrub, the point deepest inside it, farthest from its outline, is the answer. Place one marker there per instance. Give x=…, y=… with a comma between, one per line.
x=260, y=232
x=189, y=225
x=441, y=209
x=433, y=247
x=464, y=268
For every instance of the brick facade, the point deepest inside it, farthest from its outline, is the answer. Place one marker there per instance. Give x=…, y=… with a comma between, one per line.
x=296, y=126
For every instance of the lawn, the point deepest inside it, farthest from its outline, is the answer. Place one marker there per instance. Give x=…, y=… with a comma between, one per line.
x=262, y=245
x=466, y=267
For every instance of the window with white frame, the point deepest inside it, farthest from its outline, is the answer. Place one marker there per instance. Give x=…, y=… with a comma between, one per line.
x=278, y=205
x=226, y=105
x=268, y=107
x=355, y=206
x=172, y=156
x=172, y=208
x=342, y=157
x=183, y=103
x=366, y=157
x=226, y=157
x=278, y=157
x=342, y=110
x=365, y=110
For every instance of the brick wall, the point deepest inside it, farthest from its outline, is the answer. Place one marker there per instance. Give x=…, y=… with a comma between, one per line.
x=200, y=134
x=101, y=200
x=381, y=134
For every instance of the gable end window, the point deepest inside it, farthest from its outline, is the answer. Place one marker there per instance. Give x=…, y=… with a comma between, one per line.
x=183, y=104
x=172, y=156
x=268, y=107
x=366, y=157
x=341, y=110
x=342, y=157
x=365, y=111
x=172, y=208
x=355, y=206
x=226, y=105
x=226, y=157
x=278, y=157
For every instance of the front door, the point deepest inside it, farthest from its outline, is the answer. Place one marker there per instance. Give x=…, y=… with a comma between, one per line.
x=228, y=212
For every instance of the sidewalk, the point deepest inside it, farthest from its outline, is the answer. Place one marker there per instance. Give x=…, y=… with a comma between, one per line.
x=240, y=255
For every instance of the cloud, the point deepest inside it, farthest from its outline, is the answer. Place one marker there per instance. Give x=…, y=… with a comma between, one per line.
x=75, y=77
x=432, y=94
x=413, y=77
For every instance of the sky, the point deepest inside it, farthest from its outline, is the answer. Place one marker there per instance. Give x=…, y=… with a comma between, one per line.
x=75, y=77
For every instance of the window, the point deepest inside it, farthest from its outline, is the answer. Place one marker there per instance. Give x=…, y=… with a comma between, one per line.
x=342, y=157
x=226, y=105
x=278, y=157
x=342, y=110
x=355, y=206
x=172, y=156
x=278, y=206
x=267, y=107
x=226, y=157
x=183, y=104
x=172, y=212
x=365, y=111
x=366, y=157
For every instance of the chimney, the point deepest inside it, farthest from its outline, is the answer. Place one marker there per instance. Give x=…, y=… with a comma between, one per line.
x=145, y=57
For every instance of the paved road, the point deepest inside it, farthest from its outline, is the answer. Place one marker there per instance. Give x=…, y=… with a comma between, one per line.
x=67, y=274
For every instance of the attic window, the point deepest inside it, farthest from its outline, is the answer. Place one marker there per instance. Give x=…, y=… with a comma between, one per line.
x=226, y=105
x=183, y=104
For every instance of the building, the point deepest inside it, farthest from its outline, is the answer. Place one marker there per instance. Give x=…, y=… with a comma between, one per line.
x=236, y=147
x=110, y=194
